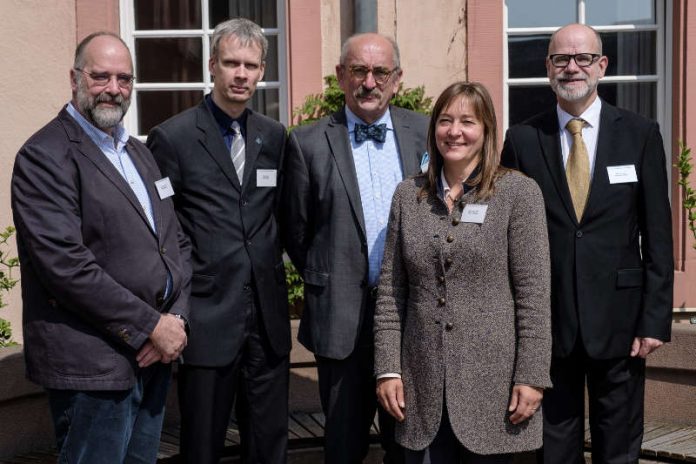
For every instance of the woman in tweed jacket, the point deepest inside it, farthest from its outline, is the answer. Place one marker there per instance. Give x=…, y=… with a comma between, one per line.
x=462, y=324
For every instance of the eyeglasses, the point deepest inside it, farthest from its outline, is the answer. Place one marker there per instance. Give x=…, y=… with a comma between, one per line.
x=123, y=80
x=379, y=74
x=581, y=59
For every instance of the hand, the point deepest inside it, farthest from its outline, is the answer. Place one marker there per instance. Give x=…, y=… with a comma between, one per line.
x=524, y=402
x=169, y=337
x=643, y=346
x=390, y=394
x=148, y=355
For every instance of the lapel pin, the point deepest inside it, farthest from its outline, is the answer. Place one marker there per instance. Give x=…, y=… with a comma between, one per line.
x=258, y=140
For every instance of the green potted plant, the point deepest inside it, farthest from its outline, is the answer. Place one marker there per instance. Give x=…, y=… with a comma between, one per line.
x=7, y=263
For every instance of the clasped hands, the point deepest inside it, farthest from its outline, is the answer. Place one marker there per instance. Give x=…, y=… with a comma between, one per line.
x=166, y=342
x=524, y=402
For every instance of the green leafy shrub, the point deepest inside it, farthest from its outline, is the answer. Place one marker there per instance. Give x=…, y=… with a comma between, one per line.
x=323, y=104
x=7, y=263
x=685, y=167
x=295, y=285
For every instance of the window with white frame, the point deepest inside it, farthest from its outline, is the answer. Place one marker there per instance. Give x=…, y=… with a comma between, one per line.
x=170, y=43
x=633, y=37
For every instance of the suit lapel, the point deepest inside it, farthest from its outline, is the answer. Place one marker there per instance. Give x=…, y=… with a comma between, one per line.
x=149, y=180
x=606, y=146
x=214, y=144
x=339, y=143
x=95, y=155
x=549, y=139
x=254, y=142
x=405, y=143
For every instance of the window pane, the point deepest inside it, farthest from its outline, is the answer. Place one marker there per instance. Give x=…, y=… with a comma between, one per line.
x=602, y=12
x=167, y=14
x=630, y=52
x=639, y=97
x=266, y=101
x=527, y=54
x=169, y=60
x=525, y=102
x=157, y=106
x=271, y=72
x=533, y=13
x=262, y=12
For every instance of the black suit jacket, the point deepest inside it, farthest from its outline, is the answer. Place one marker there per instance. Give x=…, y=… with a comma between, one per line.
x=612, y=273
x=232, y=228
x=324, y=226
x=93, y=270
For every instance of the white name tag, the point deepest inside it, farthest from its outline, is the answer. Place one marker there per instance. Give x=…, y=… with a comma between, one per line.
x=266, y=177
x=164, y=188
x=474, y=213
x=622, y=174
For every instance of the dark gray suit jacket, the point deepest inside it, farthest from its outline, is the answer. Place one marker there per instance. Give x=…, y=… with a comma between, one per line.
x=324, y=229
x=93, y=270
x=233, y=230
x=612, y=273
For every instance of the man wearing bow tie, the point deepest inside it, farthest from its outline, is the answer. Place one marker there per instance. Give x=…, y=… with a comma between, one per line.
x=339, y=177
x=222, y=159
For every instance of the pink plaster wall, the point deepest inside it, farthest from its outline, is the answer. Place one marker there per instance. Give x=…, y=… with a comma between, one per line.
x=683, y=128
x=96, y=15
x=304, y=50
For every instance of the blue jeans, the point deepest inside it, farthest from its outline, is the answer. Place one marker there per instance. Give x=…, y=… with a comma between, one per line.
x=104, y=427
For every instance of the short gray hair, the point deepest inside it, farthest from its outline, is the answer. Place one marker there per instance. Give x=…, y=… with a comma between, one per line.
x=347, y=44
x=248, y=32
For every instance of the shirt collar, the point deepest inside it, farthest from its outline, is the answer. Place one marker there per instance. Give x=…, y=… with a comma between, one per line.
x=445, y=188
x=98, y=136
x=223, y=119
x=590, y=115
x=352, y=120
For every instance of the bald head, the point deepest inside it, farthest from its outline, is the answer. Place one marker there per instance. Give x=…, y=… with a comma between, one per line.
x=577, y=32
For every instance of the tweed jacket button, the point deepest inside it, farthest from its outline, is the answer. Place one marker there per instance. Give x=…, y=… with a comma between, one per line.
x=450, y=239
x=441, y=301
x=441, y=279
x=449, y=326
x=455, y=222
x=448, y=261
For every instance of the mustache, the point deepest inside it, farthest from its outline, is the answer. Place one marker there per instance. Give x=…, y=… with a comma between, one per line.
x=362, y=92
x=106, y=98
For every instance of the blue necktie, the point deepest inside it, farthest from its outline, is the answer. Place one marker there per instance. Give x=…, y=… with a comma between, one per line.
x=376, y=132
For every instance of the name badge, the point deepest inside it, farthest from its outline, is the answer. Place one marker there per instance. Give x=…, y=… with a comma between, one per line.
x=164, y=188
x=474, y=213
x=266, y=177
x=622, y=174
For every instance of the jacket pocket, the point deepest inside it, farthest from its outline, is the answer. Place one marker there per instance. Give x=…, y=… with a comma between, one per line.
x=320, y=279
x=627, y=278
x=202, y=285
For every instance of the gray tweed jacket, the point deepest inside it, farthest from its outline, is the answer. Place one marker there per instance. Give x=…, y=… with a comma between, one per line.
x=463, y=314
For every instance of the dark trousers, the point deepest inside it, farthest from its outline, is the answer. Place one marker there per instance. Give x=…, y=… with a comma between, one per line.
x=258, y=380
x=117, y=427
x=446, y=449
x=347, y=390
x=615, y=390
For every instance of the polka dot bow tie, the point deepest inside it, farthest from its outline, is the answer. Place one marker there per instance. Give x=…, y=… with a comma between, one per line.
x=376, y=132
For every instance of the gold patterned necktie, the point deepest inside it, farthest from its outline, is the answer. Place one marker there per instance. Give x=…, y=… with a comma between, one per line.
x=578, y=167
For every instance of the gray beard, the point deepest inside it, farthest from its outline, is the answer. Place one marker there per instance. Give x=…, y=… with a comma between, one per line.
x=573, y=95
x=102, y=118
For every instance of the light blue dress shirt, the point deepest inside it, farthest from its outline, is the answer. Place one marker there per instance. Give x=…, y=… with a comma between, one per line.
x=379, y=171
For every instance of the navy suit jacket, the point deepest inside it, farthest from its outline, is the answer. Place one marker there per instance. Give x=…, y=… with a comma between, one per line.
x=93, y=271
x=612, y=273
x=233, y=229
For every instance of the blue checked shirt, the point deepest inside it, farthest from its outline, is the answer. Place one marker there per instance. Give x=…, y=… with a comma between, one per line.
x=379, y=170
